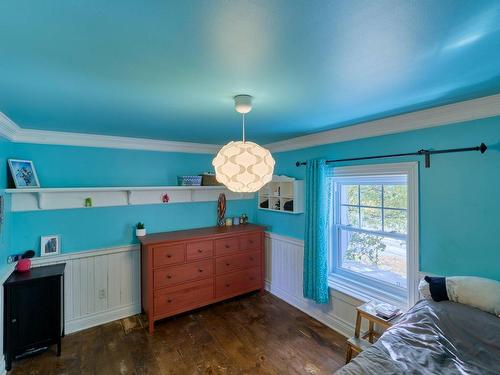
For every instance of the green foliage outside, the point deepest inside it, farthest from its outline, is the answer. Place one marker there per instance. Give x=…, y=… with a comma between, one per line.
x=365, y=247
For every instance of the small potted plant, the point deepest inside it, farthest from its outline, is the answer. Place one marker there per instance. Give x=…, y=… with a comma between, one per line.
x=140, y=230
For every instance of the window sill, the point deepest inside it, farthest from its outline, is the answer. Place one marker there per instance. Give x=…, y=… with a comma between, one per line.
x=363, y=292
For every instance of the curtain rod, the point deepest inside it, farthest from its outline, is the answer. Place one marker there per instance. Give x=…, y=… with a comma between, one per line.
x=427, y=154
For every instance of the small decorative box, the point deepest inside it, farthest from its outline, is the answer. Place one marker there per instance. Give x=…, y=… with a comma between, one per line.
x=189, y=180
x=208, y=179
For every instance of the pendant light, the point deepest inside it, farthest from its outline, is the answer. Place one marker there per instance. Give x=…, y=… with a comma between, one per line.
x=243, y=166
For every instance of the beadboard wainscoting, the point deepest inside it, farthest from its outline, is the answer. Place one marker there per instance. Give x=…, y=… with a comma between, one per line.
x=284, y=279
x=99, y=285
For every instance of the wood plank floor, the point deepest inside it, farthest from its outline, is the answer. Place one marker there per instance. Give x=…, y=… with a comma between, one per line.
x=248, y=335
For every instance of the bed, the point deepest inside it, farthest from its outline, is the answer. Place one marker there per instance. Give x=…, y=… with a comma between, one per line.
x=434, y=338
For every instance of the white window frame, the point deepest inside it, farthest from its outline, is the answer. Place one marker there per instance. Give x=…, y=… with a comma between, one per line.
x=360, y=290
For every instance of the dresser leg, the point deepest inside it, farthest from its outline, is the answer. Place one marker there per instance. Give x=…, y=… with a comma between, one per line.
x=59, y=347
x=151, y=327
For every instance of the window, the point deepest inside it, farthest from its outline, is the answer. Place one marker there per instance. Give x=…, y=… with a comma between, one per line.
x=373, y=228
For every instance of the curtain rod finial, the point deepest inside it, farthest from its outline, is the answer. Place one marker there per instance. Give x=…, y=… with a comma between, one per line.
x=483, y=148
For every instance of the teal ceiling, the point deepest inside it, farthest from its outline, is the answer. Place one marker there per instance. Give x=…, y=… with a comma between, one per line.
x=169, y=69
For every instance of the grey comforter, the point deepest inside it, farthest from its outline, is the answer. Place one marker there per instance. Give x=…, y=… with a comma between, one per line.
x=434, y=338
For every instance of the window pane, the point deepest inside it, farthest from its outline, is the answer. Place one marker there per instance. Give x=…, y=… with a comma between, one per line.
x=371, y=218
x=395, y=196
x=349, y=194
x=349, y=216
x=371, y=195
x=395, y=221
x=373, y=256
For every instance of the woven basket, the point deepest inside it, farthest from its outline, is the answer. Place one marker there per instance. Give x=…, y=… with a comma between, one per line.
x=189, y=180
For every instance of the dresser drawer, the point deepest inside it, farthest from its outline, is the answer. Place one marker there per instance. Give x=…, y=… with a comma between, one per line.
x=237, y=262
x=170, y=254
x=238, y=282
x=250, y=242
x=227, y=246
x=186, y=272
x=199, y=250
x=183, y=296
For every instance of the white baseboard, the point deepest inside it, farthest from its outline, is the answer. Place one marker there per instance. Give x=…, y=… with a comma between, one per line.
x=103, y=317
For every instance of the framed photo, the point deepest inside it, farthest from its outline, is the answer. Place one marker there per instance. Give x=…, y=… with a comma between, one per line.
x=49, y=245
x=23, y=173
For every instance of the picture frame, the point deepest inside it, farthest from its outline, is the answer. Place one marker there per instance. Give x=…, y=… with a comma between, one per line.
x=23, y=174
x=50, y=245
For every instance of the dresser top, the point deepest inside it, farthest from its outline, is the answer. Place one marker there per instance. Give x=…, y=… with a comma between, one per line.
x=180, y=235
x=36, y=273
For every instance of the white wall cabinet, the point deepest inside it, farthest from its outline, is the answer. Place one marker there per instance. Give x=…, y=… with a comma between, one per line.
x=282, y=194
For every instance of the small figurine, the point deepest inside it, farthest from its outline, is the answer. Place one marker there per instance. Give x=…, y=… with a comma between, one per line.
x=243, y=219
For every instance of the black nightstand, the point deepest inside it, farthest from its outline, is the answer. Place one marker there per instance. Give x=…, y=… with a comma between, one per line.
x=33, y=311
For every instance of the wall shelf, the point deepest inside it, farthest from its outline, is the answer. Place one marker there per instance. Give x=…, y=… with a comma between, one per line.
x=281, y=193
x=65, y=198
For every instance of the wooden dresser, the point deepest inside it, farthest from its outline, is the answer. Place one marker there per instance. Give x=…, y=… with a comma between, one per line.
x=187, y=269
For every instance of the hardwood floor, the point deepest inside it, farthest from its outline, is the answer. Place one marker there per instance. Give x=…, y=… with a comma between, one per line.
x=248, y=335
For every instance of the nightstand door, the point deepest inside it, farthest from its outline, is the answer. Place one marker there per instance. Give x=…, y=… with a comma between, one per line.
x=35, y=314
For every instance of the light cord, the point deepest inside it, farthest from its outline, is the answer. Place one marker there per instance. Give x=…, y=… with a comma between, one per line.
x=243, y=127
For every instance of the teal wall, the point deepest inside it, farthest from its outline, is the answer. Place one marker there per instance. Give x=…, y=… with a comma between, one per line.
x=5, y=228
x=92, y=228
x=459, y=194
x=459, y=203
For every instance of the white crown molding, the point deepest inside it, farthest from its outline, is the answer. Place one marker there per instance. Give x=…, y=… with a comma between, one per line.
x=474, y=109
x=15, y=133
x=8, y=129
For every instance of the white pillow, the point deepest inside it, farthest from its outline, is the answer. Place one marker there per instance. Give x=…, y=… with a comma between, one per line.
x=477, y=292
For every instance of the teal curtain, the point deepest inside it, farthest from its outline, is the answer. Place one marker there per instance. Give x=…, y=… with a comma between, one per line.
x=316, y=232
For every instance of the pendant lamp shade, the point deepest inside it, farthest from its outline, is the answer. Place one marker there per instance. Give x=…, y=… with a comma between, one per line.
x=244, y=167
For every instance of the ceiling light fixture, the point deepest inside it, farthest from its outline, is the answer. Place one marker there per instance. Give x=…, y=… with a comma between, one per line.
x=243, y=166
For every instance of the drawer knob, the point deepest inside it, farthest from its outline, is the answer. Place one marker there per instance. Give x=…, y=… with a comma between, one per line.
x=200, y=270
x=228, y=285
x=250, y=241
x=251, y=258
x=251, y=278
x=169, y=256
x=200, y=250
x=169, y=276
x=228, y=264
x=169, y=301
x=227, y=246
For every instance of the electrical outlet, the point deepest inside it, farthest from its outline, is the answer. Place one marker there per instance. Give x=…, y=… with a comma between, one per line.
x=102, y=293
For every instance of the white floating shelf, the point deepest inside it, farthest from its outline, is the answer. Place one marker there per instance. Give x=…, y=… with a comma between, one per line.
x=64, y=198
x=282, y=194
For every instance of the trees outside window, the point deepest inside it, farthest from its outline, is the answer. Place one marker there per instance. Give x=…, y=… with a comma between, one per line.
x=370, y=227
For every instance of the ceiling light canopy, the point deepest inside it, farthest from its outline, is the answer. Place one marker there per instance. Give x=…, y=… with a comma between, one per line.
x=243, y=166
